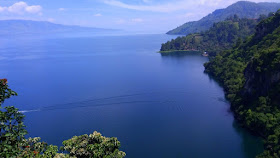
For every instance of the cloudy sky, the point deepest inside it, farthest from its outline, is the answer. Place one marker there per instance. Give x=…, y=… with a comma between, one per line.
x=150, y=16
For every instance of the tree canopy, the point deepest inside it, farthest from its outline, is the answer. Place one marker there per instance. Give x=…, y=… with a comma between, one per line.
x=221, y=36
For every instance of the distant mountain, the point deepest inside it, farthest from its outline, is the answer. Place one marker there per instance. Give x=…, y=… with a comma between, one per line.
x=14, y=27
x=243, y=9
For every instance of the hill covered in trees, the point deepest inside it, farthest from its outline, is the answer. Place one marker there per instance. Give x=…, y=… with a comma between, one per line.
x=243, y=9
x=250, y=75
x=221, y=36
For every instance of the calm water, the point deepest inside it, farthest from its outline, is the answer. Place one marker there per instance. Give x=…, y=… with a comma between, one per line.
x=157, y=106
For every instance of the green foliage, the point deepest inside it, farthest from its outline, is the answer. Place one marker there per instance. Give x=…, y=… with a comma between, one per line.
x=12, y=131
x=93, y=146
x=221, y=36
x=243, y=9
x=250, y=74
x=11, y=124
x=13, y=143
x=33, y=147
x=5, y=91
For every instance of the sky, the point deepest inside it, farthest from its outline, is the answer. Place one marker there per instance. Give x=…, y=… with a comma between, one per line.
x=147, y=16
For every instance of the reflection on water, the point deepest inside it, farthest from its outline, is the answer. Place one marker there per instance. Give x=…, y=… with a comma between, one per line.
x=251, y=145
x=179, y=53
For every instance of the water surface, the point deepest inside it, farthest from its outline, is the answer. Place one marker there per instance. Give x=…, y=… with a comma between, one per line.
x=157, y=106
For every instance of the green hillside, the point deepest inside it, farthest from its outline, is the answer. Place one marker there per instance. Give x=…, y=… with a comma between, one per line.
x=221, y=36
x=250, y=75
x=243, y=9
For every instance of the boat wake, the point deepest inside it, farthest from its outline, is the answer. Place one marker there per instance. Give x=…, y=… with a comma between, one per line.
x=27, y=111
x=107, y=101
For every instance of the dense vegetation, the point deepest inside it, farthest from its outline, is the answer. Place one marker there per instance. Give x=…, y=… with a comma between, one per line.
x=221, y=36
x=14, y=144
x=243, y=9
x=250, y=74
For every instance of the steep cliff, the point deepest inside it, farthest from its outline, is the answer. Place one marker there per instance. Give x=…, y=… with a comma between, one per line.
x=259, y=80
x=250, y=75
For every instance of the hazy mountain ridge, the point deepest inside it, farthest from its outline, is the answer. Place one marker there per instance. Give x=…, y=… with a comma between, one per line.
x=8, y=27
x=243, y=9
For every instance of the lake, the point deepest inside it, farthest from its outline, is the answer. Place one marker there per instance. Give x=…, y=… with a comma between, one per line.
x=156, y=105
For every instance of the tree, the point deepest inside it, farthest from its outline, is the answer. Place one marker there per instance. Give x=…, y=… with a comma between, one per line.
x=94, y=145
x=12, y=129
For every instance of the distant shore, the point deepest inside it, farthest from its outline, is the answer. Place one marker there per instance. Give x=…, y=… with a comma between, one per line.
x=181, y=51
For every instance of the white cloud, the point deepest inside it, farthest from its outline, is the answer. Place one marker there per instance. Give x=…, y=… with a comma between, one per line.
x=61, y=9
x=33, y=9
x=98, y=14
x=21, y=8
x=177, y=5
x=169, y=7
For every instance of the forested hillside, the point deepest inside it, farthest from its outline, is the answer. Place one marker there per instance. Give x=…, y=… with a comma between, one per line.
x=221, y=36
x=250, y=74
x=243, y=9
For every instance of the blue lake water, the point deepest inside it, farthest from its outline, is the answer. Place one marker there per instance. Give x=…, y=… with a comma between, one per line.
x=157, y=106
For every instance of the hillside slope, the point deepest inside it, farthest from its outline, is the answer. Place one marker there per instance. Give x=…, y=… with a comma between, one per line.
x=221, y=36
x=243, y=9
x=250, y=75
